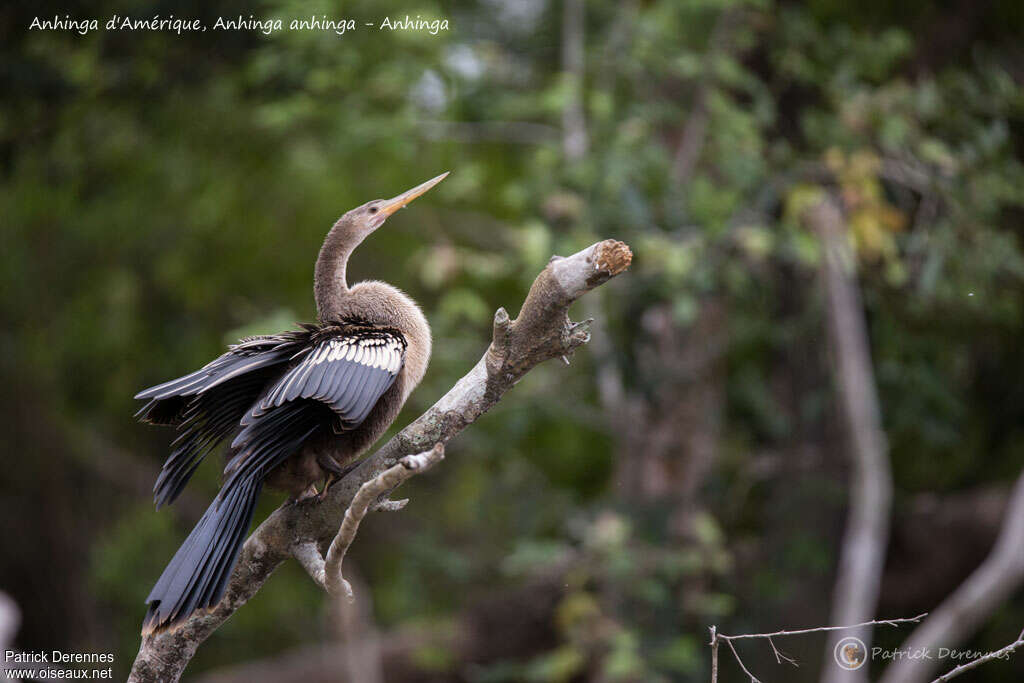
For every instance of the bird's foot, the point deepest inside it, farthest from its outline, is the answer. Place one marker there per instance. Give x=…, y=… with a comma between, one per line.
x=330, y=465
x=330, y=479
x=310, y=492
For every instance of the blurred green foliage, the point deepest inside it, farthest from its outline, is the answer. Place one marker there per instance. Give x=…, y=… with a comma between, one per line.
x=163, y=195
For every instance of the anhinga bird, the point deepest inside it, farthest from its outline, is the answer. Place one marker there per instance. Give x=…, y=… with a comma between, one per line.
x=301, y=406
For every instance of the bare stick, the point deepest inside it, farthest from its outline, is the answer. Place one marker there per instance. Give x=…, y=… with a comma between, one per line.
x=862, y=554
x=326, y=573
x=779, y=656
x=966, y=608
x=1003, y=653
x=876, y=622
x=368, y=493
x=540, y=332
x=714, y=654
x=753, y=678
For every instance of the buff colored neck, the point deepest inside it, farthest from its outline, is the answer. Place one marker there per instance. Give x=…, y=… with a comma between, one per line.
x=329, y=285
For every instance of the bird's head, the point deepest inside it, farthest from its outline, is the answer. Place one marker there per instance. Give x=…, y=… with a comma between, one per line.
x=329, y=285
x=363, y=220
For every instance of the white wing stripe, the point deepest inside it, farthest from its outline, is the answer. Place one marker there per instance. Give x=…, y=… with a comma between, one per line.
x=348, y=374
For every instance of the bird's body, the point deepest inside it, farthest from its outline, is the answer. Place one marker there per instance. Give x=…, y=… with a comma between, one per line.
x=297, y=474
x=300, y=407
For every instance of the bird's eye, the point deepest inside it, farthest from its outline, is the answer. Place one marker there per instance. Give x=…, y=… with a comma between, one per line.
x=373, y=209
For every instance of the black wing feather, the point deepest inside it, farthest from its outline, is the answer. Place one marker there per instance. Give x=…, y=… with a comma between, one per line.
x=207, y=404
x=337, y=382
x=348, y=373
x=277, y=392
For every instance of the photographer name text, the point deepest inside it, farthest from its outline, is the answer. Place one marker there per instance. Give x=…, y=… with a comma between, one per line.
x=929, y=653
x=42, y=665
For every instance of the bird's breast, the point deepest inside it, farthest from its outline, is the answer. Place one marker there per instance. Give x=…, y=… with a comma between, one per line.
x=380, y=303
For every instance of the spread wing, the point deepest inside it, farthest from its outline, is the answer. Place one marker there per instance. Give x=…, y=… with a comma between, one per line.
x=334, y=386
x=348, y=373
x=167, y=401
x=279, y=392
x=275, y=392
x=207, y=405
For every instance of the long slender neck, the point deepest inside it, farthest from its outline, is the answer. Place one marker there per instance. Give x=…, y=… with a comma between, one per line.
x=329, y=284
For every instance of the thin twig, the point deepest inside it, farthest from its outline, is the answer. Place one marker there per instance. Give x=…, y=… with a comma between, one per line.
x=998, y=654
x=714, y=654
x=876, y=622
x=781, y=657
x=753, y=678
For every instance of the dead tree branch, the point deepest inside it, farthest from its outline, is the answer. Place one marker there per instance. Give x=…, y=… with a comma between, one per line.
x=963, y=611
x=326, y=572
x=541, y=331
x=779, y=656
x=714, y=654
x=1002, y=653
x=862, y=555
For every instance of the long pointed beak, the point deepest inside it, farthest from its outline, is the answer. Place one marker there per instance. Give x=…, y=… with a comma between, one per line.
x=395, y=203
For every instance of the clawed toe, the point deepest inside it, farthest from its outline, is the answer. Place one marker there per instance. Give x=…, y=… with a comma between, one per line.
x=331, y=478
x=310, y=492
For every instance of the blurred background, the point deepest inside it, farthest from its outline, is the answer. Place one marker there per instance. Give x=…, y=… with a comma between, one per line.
x=163, y=195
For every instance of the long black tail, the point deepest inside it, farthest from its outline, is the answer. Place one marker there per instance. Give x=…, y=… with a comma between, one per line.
x=198, y=574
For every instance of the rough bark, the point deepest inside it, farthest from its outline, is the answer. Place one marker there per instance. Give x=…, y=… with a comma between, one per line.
x=862, y=555
x=541, y=331
x=325, y=570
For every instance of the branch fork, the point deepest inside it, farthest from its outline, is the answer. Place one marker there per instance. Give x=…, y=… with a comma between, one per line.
x=780, y=657
x=326, y=571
